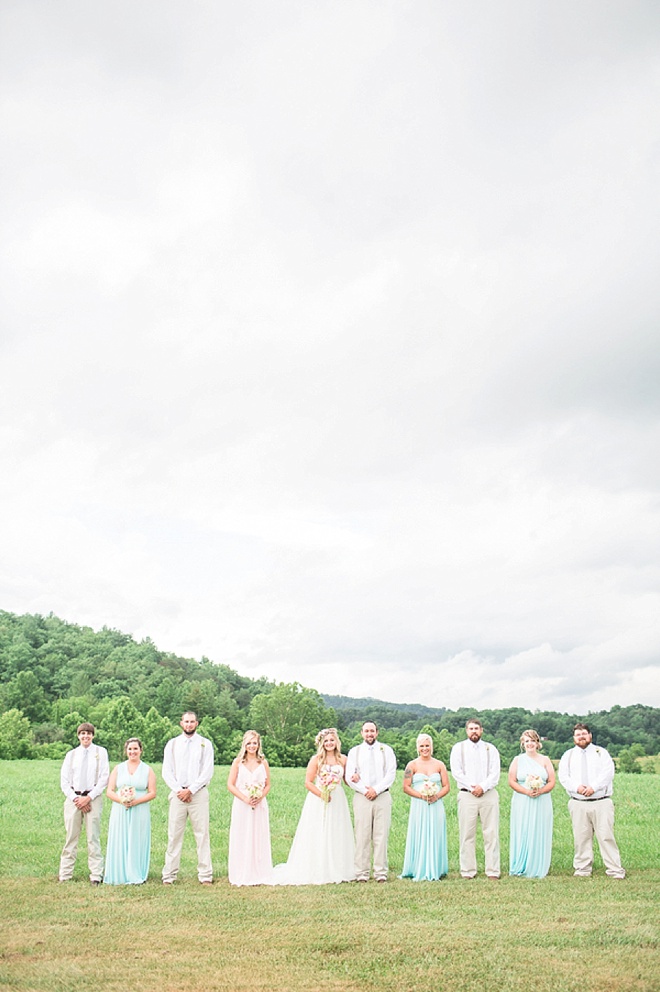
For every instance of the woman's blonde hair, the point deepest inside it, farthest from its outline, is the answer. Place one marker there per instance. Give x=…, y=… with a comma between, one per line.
x=248, y=736
x=424, y=737
x=534, y=736
x=320, y=749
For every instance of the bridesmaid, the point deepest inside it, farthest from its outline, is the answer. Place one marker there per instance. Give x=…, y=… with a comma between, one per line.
x=532, y=778
x=250, y=861
x=130, y=787
x=426, y=781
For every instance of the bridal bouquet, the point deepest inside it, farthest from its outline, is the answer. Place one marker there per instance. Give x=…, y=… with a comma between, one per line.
x=328, y=780
x=534, y=782
x=429, y=788
x=126, y=793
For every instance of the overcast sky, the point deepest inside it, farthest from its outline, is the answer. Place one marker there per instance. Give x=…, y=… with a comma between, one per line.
x=330, y=339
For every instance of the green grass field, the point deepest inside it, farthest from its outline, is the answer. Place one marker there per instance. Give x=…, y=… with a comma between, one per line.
x=557, y=934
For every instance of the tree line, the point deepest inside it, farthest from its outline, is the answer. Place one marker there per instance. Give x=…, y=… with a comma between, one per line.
x=55, y=675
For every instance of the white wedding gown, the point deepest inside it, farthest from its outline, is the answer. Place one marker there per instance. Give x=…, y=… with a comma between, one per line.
x=323, y=848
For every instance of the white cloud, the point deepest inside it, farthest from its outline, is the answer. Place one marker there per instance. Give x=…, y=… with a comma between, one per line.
x=330, y=341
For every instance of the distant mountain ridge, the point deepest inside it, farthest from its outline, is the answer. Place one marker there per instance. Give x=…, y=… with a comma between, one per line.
x=365, y=704
x=55, y=674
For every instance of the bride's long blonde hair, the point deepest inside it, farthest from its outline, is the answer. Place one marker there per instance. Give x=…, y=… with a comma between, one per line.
x=321, y=753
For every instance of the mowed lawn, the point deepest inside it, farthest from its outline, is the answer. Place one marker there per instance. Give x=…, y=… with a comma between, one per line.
x=557, y=934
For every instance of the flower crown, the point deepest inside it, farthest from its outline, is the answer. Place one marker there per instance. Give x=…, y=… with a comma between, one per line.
x=322, y=734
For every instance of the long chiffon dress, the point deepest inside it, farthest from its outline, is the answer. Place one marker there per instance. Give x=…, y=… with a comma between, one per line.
x=250, y=861
x=530, y=846
x=129, y=832
x=426, y=856
x=323, y=848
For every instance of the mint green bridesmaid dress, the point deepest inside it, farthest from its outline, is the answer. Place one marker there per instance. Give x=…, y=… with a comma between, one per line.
x=530, y=846
x=426, y=856
x=129, y=832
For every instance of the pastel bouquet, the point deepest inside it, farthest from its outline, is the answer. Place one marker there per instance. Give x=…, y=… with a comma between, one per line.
x=429, y=789
x=126, y=794
x=328, y=780
x=254, y=791
x=534, y=782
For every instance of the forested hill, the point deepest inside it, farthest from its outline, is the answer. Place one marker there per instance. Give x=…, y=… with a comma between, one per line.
x=384, y=714
x=615, y=729
x=54, y=675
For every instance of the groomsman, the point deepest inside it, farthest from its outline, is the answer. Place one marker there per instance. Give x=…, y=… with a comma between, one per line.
x=370, y=772
x=187, y=770
x=587, y=773
x=83, y=779
x=476, y=767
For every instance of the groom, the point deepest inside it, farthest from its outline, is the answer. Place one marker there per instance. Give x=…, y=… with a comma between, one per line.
x=370, y=771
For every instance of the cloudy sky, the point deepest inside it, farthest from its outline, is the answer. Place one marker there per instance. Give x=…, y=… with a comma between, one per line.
x=330, y=340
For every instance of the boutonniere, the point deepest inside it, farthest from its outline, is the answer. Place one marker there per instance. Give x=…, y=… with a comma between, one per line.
x=202, y=744
x=598, y=751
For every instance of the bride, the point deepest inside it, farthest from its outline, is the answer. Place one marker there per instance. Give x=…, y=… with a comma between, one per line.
x=323, y=847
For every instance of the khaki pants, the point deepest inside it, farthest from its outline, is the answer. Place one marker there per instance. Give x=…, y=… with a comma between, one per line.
x=487, y=809
x=372, y=828
x=73, y=824
x=197, y=810
x=589, y=818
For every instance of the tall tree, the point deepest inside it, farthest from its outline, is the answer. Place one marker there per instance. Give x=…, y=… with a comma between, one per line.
x=122, y=720
x=15, y=735
x=289, y=717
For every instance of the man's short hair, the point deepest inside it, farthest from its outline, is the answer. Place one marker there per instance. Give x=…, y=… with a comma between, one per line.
x=582, y=726
x=473, y=719
x=87, y=728
x=189, y=713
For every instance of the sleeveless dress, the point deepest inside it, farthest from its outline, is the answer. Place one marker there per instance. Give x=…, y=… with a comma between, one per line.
x=129, y=832
x=426, y=842
x=530, y=847
x=323, y=848
x=250, y=861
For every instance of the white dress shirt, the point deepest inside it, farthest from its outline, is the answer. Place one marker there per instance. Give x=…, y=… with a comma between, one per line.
x=595, y=762
x=88, y=774
x=475, y=764
x=374, y=763
x=188, y=763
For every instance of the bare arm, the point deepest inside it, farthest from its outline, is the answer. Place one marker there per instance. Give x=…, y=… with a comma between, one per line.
x=552, y=779
x=513, y=780
x=444, y=778
x=231, y=783
x=149, y=794
x=267, y=782
x=408, y=773
x=111, y=791
x=312, y=771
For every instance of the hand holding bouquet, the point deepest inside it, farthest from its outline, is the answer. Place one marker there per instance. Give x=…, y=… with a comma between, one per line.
x=328, y=780
x=534, y=783
x=429, y=789
x=126, y=795
x=254, y=791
